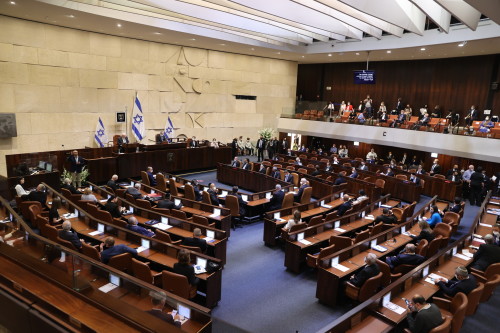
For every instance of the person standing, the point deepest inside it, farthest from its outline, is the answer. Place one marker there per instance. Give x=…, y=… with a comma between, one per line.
x=476, y=187
x=261, y=145
x=76, y=166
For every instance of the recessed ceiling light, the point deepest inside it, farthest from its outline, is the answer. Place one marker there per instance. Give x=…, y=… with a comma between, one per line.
x=157, y=33
x=389, y=51
x=12, y=2
x=329, y=54
x=357, y=53
x=192, y=38
x=70, y=16
x=422, y=49
x=119, y=25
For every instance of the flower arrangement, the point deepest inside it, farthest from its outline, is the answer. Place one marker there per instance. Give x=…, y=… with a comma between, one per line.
x=266, y=133
x=84, y=175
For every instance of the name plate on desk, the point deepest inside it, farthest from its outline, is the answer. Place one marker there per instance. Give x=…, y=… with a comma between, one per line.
x=305, y=242
x=244, y=197
x=395, y=308
x=216, y=213
x=162, y=226
x=461, y=256
x=339, y=230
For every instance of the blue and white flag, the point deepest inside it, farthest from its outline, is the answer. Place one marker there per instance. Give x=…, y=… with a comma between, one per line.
x=100, y=136
x=169, y=132
x=138, y=127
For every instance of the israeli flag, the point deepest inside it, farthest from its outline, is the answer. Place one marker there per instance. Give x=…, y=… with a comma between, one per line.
x=138, y=127
x=100, y=136
x=169, y=132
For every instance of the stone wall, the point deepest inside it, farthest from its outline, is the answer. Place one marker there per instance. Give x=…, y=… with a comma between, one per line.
x=58, y=81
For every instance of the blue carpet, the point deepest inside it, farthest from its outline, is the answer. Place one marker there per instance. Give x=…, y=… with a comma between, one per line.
x=260, y=295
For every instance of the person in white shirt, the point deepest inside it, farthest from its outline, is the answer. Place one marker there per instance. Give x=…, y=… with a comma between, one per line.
x=362, y=197
x=214, y=143
x=342, y=108
x=88, y=196
x=20, y=191
x=241, y=145
x=371, y=157
x=297, y=218
x=249, y=147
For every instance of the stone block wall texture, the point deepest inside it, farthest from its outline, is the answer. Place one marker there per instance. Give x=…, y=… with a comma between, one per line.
x=59, y=81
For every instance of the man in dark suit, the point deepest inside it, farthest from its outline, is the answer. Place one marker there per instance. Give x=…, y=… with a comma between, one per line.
x=275, y=173
x=262, y=169
x=76, y=166
x=488, y=254
x=135, y=191
x=455, y=176
x=389, y=172
x=212, y=191
x=288, y=177
x=112, y=207
x=435, y=168
x=112, y=183
x=422, y=122
x=476, y=186
x=133, y=225
x=196, y=240
x=344, y=207
x=370, y=270
x=39, y=195
x=328, y=167
x=151, y=176
x=406, y=257
x=316, y=171
x=363, y=166
x=67, y=234
x=400, y=105
x=399, y=120
x=246, y=164
x=167, y=203
x=109, y=249
x=284, y=146
x=67, y=185
x=303, y=185
x=424, y=316
x=277, y=199
x=241, y=203
x=471, y=116
x=261, y=145
x=158, y=300
x=193, y=143
x=451, y=171
x=340, y=180
x=354, y=173
x=236, y=162
x=414, y=179
x=387, y=217
x=122, y=140
x=462, y=282
x=456, y=206
x=271, y=147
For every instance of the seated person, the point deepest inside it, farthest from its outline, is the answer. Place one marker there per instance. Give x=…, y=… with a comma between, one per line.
x=387, y=217
x=389, y=172
x=262, y=169
x=112, y=207
x=329, y=167
x=275, y=173
x=362, y=197
x=288, y=176
x=354, y=173
x=54, y=217
x=371, y=157
x=316, y=171
x=340, y=180
x=297, y=161
x=167, y=203
x=109, y=249
x=370, y=270
x=184, y=267
x=69, y=186
x=88, y=196
x=361, y=118
x=212, y=191
x=422, y=122
x=344, y=207
x=435, y=217
x=196, y=240
x=241, y=203
x=486, y=125
x=303, y=185
x=425, y=232
x=151, y=176
x=214, y=143
x=297, y=218
x=277, y=199
x=363, y=166
x=462, y=282
x=335, y=160
x=112, y=182
x=197, y=193
x=455, y=207
x=69, y=235
x=414, y=179
x=249, y=147
x=405, y=257
x=246, y=164
x=39, y=195
x=20, y=191
x=158, y=300
x=424, y=316
x=236, y=162
x=487, y=254
x=135, y=191
x=399, y=120
x=133, y=225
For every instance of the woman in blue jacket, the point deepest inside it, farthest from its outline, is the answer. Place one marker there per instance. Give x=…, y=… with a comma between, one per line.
x=435, y=217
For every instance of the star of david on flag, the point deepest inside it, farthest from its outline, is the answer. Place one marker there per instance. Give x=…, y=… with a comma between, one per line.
x=138, y=126
x=100, y=136
x=169, y=131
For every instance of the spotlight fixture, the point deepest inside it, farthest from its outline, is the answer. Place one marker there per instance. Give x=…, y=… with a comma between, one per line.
x=389, y=51
x=463, y=43
x=422, y=49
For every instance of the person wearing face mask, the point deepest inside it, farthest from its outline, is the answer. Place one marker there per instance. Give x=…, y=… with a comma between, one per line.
x=435, y=217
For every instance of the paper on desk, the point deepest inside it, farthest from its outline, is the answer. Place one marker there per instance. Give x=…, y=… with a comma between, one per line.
x=486, y=225
x=95, y=233
x=214, y=215
x=461, y=256
x=107, y=287
x=279, y=219
x=183, y=319
x=141, y=248
x=208, y=239
x=162, y=226
x=304, y=241
x=432, y=277
x=103, y=200
x=341, y=268
x=326, y=206
x=339, y=230
x=369, y=217
x=69, y=215
x=394, y=307
x=386, y=206
x=467, y=253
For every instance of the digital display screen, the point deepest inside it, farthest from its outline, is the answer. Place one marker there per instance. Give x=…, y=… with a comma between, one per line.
x=364, y=77
x=164, y=219
x=114, y=279
x=210, y=234
x=145, y=243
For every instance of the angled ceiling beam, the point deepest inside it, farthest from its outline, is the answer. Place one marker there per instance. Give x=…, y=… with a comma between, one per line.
x=399, y=12
x=462, y=11
x=301, y=14
x=319, y=7
x=440, y=16
x=359, y=15
x=488, y=8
